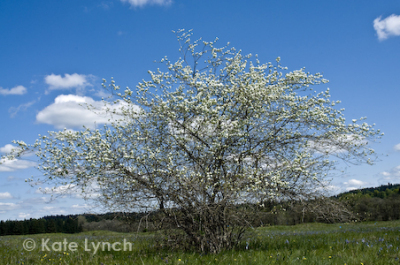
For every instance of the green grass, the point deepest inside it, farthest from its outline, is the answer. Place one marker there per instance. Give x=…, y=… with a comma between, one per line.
x=362, y=243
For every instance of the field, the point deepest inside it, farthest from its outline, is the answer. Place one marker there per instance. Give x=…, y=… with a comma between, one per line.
x=356, y=243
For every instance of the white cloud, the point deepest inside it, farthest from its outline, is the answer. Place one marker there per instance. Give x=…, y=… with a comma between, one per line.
x=387, y=27
x=57, y=212
x=354, y=184
x=332, y=188
x=56, y=82
x=397, y=147
x=29, y=202
x=69, y=111
x=12, y=178
x=18, y=90
x=141, y=3
x=5, y=195
x=101, y=94
x=7, y=206
x=328, y=189
x=63, y=189
x=15, y=164
x=106, y=5
x=84, y=206
x=392, y=176
x=335, y=146
x=24, y=215
x=91, y=191
x=8, y=148
x=14, y=110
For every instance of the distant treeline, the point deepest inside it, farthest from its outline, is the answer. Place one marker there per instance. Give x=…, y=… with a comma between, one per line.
x=120, y=222
x=369, y=204
x=56, y=224
x=373, y=204
x=382, y=191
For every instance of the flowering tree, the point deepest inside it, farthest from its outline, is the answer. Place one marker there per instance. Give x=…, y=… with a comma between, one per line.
x=201, y=141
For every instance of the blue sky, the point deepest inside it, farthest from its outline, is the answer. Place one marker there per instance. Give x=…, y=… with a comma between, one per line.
x=54, y=54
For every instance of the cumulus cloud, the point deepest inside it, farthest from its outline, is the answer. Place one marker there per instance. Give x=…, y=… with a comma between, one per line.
x=91, y=191
x=24, y=215
x=63, y=189
x=7, y=206
x=332, y=188
x=141, y=3
x=75, y=208
x=18, y=90
x=5, y=195
x=7, y=165
x=396, y=147
x=56, y=212
x=84, y=206
x=8, y=148
x=14, y=164
x=354, y=184
x=57, y=82
x=335, y=146
x=392, y=176
x=387, y=27
x=69, y=111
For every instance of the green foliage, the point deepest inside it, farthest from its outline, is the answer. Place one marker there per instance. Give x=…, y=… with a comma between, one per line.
x=64, y=224
x=374, y=204
x=352, y=244
x=381, y=191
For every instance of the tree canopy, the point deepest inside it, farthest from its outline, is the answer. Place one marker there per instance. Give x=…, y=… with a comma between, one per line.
x=212, y=132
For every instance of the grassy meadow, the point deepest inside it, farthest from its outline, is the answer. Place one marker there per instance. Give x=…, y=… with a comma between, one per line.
x=355, y=243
